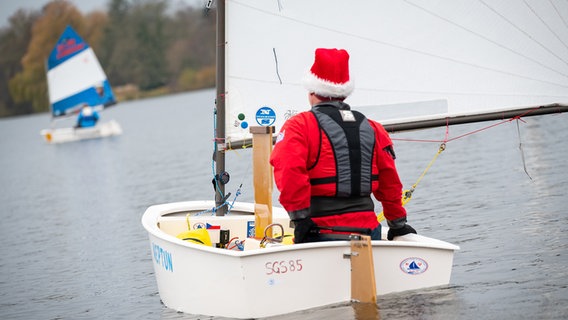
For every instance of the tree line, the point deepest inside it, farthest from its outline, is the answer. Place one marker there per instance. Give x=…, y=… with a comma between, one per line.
x=144, y=48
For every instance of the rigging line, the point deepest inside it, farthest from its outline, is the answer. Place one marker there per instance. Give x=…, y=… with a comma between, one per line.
x=276, y=64
x=481, y=129
x=406, y=48
x=247, y=171
x=238, y=192
x=407, y=194
x=494, y=125
x=558, y=12
x=416, y=140
x=544, y=23
x=447, y=131
x=522, y=151
x=242, y=145
x=492, y=41
x=440, y=150
x=212, y=210
x=524, y=32
x=447, y=139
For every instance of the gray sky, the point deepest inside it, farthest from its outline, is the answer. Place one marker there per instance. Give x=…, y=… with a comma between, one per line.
x=9, y=7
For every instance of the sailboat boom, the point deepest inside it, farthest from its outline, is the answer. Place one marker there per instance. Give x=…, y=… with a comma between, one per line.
x=472, y=118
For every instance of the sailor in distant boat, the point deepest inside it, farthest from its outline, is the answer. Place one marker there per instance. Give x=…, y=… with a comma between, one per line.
x=88, y=117
x=329, y=160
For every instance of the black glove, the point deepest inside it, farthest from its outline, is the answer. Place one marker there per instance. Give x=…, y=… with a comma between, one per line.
x=302, y=228
x=406, y=229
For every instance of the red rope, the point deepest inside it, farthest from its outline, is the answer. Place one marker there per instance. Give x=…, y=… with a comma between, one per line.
x=447, y=139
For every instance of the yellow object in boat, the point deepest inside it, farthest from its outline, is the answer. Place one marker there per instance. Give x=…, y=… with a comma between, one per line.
x=287, y=239
x=198, y=236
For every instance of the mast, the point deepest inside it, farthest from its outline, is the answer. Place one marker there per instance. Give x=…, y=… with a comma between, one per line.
x=220, y=110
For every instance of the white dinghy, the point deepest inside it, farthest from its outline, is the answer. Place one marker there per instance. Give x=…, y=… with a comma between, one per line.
x=279, y=278
x=70, y=134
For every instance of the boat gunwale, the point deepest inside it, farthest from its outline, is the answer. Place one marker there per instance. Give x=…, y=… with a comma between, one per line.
x=152, y=215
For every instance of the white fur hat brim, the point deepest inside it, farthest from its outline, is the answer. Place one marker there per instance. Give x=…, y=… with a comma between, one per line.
x=327, y=88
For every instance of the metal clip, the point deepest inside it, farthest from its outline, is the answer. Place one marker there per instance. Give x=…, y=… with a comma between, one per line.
x=350, y=254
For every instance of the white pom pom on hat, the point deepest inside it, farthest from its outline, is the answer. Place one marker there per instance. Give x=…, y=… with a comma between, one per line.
x=329, y=75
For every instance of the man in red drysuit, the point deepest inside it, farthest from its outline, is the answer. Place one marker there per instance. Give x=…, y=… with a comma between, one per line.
x=329, y=160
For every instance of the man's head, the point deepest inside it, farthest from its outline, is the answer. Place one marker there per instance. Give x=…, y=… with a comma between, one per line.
x=87, y=110
x=329, y=75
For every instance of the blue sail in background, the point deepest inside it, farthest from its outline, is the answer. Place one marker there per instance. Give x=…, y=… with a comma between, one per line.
x=75, y=77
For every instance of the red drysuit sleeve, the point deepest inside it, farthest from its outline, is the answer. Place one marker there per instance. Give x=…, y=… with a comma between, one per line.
x=389, y=192
x=289, y=158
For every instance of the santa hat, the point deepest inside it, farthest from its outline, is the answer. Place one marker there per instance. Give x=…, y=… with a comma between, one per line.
x=329, y=75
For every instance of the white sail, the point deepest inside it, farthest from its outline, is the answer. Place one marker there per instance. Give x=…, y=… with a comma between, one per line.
x=429, y=59
x=75, y=76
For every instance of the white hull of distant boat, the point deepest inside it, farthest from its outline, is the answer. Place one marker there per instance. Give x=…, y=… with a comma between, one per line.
x=277, y=279
x=101, y=130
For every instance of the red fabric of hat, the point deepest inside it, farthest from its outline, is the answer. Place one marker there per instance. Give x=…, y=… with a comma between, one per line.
x=329, y=75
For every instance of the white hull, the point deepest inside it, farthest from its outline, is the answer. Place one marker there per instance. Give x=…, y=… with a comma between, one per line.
x=101, y=130
x=278, y=279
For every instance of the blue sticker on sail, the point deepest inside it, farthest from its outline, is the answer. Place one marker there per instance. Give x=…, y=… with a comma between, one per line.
x=265, y=116
x=413, y=266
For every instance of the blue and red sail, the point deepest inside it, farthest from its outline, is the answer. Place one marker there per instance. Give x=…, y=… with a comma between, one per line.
x=75, y=77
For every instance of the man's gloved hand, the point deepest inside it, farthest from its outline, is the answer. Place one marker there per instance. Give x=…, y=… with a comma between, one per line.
x=302, y=229
x=406, y=229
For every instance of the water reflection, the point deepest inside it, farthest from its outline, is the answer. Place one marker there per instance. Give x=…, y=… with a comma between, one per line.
x=364, y=311
x=437, y=303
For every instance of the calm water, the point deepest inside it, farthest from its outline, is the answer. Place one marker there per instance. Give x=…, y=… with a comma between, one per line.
x=72, y=245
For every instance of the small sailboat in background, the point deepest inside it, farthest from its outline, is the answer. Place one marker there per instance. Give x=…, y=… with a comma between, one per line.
x=76, y=79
